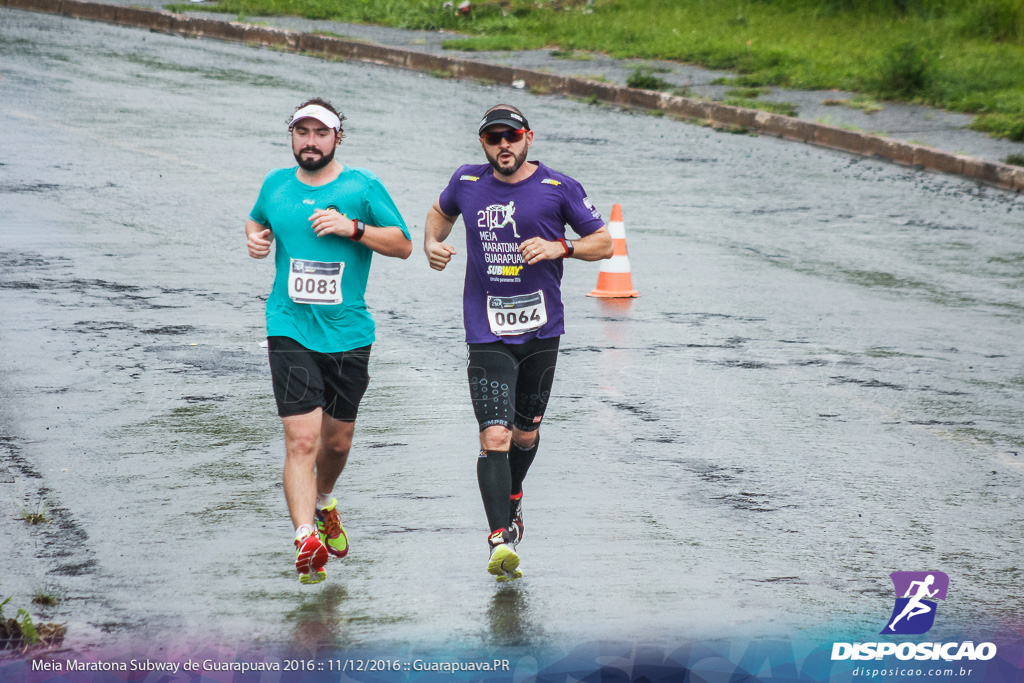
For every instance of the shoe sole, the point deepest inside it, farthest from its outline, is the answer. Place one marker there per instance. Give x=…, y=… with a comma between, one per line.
x=315, y=577
x=312, y=569
x=509, y=576
x=504, y=564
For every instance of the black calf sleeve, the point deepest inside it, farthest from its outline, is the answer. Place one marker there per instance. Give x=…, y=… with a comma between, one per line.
x=519, y=461
x=492, y=473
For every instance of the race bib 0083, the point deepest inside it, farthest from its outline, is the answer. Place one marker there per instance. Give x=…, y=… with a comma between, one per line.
x=315, y=282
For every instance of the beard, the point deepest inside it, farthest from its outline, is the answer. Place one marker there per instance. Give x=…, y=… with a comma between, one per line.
x=316, y=163
x=517, y=162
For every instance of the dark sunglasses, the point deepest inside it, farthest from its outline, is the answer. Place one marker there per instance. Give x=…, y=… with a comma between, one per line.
x=510, y=135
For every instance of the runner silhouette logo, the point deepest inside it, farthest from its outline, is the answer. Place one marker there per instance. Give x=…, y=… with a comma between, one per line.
x=916, y=593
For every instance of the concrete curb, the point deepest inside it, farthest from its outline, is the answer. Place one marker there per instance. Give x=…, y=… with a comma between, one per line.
x=903, y=153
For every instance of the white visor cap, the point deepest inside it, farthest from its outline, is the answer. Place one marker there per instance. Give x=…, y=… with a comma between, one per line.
x=321, y=114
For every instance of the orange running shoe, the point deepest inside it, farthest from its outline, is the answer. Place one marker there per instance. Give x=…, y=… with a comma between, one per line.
x=310, y=558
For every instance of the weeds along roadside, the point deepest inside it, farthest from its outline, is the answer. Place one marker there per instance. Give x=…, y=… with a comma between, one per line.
x=960, y=55
x=22, y=633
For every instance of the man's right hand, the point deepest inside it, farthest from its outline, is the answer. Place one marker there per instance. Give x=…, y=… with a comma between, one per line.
x=439, y=254
x=259, y=243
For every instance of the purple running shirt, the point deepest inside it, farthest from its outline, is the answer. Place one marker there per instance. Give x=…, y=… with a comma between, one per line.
x=505, y=299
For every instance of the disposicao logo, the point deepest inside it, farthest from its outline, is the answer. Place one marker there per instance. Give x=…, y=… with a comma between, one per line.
x=914, y=614
x=916, y=593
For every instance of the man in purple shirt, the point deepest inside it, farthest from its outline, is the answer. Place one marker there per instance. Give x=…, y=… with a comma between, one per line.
x=515, y=213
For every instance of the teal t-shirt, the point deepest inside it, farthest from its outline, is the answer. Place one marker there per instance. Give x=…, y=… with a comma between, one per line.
x=285, y=205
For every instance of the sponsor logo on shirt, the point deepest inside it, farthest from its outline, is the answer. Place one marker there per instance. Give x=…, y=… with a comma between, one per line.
x=590, y=205
x=551, y=181
x=470, y=178
x=507, y=271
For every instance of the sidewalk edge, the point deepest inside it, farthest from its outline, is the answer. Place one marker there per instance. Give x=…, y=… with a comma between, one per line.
x=712, y=113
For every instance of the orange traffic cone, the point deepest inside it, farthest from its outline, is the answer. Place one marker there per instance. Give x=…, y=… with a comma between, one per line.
x=614, y=280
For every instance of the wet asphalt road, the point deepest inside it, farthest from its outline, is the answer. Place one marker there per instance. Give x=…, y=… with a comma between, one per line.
x=822, y=382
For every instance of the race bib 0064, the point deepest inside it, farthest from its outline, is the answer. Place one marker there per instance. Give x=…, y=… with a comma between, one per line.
x=509, y=315
x=315, y=282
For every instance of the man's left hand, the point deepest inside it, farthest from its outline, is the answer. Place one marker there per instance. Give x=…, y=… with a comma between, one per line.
x=535, y=250
x=330, y=222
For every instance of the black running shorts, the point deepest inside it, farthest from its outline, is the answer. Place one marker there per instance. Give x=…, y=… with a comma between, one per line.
x=510, y=383
x=305, y=380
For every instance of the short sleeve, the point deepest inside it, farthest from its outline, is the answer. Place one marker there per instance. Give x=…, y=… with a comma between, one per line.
x=380, y=207
x=259, y=210
x=449, y=201
x=580, y=213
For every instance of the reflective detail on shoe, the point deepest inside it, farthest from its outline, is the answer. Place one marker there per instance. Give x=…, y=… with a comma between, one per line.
x=310, y=558
x=513, y=536
x=515, y=524
x=504, y=562
x=332, y=532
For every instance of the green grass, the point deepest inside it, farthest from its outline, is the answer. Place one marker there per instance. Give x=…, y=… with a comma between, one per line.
x=1014, y=160
x=643, y=77
x=45, y=598
x=35, y=517
x=1001, y=125
x=784, y=108
x=340, y=36
x=22, y=633
x=571, y=54
x=829, y=121
x=962, y=55
x=865, y=104
x=746, y=93
x=862, y=102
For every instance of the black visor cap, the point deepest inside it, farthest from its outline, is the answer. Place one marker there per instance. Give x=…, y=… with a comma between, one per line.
x=504, y=117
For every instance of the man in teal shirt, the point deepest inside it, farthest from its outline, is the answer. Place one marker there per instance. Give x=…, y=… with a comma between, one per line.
x=327, y=220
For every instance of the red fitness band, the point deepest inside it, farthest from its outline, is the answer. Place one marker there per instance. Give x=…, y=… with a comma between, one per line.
x=570, y=248
x=360, y=229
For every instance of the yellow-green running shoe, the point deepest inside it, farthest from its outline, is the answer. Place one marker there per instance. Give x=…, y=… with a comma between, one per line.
x=332, y=533
x=504, y=562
